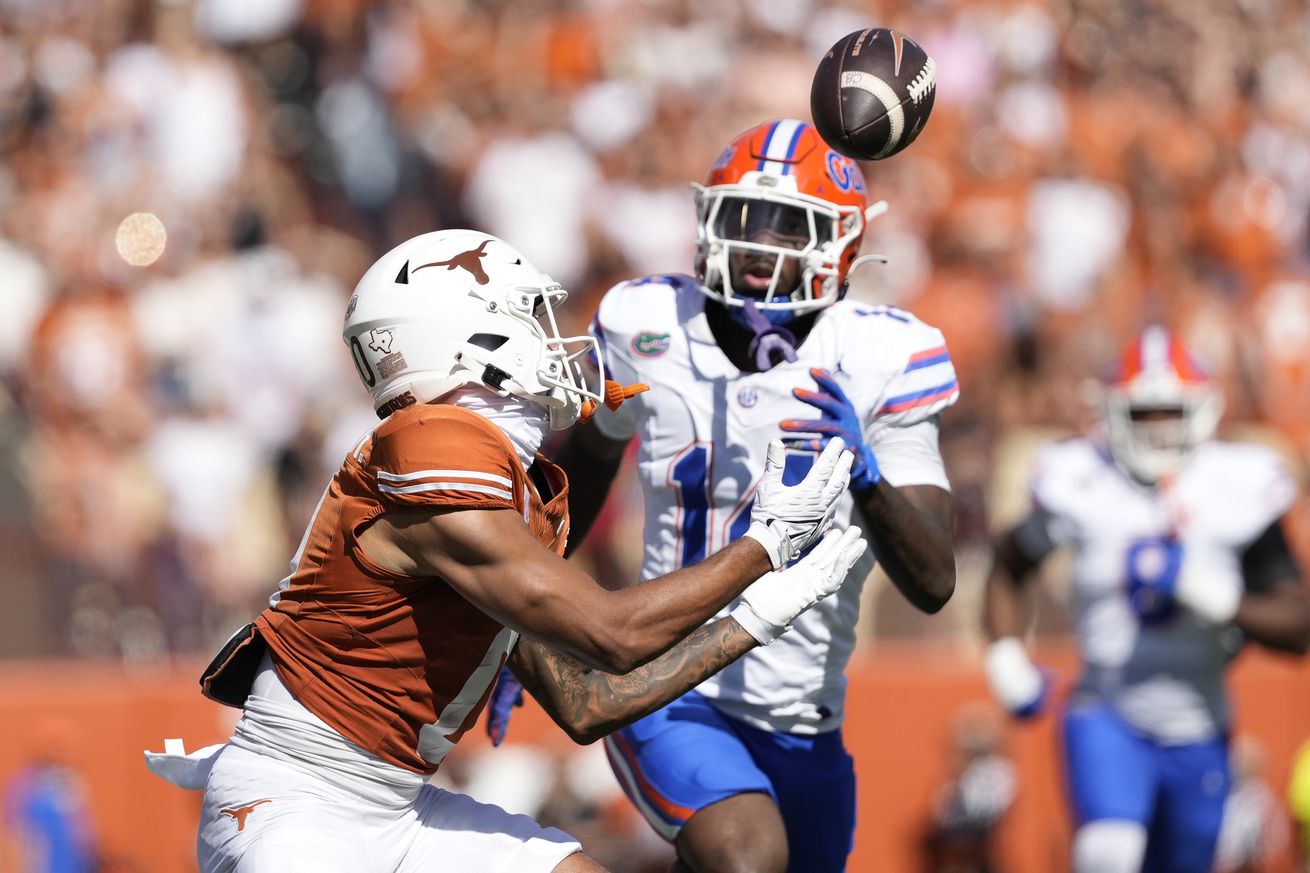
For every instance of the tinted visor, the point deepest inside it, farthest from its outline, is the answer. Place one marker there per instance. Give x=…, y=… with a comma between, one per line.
x=770, y=223
x=1162, y=428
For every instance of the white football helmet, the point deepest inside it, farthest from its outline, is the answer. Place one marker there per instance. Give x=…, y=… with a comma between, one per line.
x=455, y=307
x=1159, y=406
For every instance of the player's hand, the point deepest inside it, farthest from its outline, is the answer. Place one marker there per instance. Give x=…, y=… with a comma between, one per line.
x=1017, y=684
x=838, y=418
x=769, y=606
x=507, y=694
x=786, y=520
x=1153, y=566
x=1163, y=574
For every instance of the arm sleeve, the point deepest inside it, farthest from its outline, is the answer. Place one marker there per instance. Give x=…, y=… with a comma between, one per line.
x=1268, y=562
x=1053, y=490
x=1039, y=534
x=446, y=458
x=909, y=455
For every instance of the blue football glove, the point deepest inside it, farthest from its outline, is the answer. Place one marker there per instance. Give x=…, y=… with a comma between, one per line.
x=507, y=694
x=1153, y=566
x=839, y=419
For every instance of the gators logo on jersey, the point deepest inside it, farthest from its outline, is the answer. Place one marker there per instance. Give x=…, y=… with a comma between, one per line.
x=650, y=345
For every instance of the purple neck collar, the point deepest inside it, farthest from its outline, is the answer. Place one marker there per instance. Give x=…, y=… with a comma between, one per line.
x=771, y=341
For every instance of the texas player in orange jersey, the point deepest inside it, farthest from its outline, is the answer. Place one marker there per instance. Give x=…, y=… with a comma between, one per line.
x=434, y=558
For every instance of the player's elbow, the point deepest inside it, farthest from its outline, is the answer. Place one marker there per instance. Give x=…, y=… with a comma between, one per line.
x=585, y=732
x=1296, y=639
x=611, y=649
x=935, y=591
x=620, y=657
x=583, y=725
x=1301, y=640
x=932, y=604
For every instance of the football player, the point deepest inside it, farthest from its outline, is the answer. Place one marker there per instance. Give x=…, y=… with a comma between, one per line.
x=749, y=772
x=1179, y=556
x=434, y=550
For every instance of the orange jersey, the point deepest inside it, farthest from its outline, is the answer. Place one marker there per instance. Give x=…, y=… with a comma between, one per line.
x=400, y=665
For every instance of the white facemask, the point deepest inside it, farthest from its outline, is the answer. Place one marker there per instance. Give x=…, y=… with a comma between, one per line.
x=525, y=423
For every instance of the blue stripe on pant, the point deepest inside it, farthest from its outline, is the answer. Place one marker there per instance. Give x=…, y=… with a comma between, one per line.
x=1176, y=792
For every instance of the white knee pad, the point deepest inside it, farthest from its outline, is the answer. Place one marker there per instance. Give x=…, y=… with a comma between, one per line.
x=1109, y=846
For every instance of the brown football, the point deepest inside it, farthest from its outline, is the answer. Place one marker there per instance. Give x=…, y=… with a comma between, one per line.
x=873, y=93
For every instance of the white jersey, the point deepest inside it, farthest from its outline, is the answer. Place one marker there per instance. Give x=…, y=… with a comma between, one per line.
x=1164, y=679
x=703, y=429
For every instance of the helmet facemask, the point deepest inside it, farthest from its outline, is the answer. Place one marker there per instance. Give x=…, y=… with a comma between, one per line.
x=1153, y=423
x=753, y=236
x=559, y=381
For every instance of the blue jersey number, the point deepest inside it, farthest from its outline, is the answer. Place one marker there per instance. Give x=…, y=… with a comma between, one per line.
x=690, y=473
x=892, y=312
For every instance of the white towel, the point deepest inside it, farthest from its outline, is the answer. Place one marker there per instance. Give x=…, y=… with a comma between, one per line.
x=185, y=771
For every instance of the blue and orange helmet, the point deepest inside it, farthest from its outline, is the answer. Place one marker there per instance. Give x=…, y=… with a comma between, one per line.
x=778, y=191
x=1160, y=404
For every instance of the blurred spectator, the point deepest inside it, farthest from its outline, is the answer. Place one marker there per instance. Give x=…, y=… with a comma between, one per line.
x=1254, y=832
x=47, y=817
x=1298, y=799
x=532, y=186
x=1087, y=169
x=979, y=789
x=563, y=786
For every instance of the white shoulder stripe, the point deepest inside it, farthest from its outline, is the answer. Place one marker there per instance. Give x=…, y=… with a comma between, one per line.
x=445, y=486
x=775, y=150
x=384, y=476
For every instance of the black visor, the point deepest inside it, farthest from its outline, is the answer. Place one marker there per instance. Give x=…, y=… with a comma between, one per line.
x=769, y=223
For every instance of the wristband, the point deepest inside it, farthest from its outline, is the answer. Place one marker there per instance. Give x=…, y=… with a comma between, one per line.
x=1014, y=680
x=764, y=631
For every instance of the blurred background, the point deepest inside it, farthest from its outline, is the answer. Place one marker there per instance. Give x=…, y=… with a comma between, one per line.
x=189, y=190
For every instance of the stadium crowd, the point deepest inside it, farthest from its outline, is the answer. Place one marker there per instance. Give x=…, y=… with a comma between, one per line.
x=173, y=391
x=1089, y=168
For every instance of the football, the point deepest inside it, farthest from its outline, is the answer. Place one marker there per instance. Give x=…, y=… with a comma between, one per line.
x=872, y=93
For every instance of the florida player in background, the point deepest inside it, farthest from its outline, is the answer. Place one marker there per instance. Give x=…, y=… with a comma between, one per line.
x=434, y=549
x=749, y=772
x=1179, y=556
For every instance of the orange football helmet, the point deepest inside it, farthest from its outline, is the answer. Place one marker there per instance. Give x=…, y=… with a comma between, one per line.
x=1159, y=406
x=779, y=191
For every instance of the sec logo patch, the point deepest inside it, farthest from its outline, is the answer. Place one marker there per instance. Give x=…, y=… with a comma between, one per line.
x=748, y=396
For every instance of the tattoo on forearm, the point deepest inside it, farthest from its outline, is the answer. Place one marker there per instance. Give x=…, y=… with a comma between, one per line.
x=578, y=695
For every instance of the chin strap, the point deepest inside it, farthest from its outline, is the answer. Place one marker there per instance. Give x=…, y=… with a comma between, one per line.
x=615, y=394
x=771, y=341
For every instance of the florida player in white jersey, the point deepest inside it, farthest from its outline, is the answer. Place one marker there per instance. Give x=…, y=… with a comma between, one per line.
x=1178, y=556
x=434, y=558
x=749, y=772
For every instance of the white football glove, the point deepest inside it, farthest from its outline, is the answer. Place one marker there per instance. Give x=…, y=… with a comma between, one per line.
x=787, y=519
x=771, y=603
x=1211, y=593
x=1016, y=682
